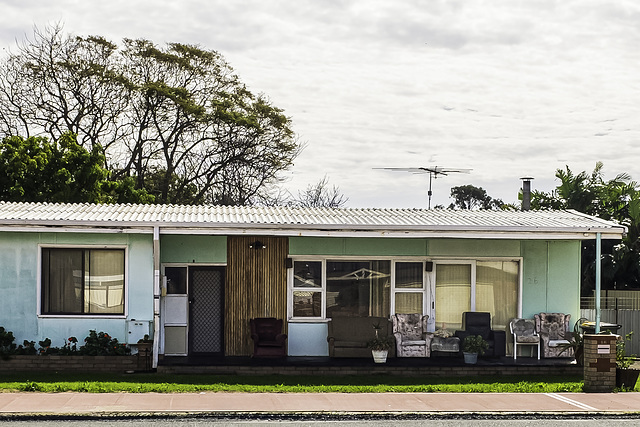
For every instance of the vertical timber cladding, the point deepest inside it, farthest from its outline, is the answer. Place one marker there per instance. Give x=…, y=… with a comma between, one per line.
x=256, y=286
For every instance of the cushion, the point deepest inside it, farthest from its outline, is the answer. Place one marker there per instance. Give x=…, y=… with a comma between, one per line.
x=416, y=342
x=527, y=339
x=556, y=343
x=524, y=327
x=409, y=326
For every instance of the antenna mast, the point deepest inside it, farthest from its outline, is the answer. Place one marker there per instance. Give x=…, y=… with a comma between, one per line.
x=433, y=172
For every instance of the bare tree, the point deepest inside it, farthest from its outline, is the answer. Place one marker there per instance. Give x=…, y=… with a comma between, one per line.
x=320, y=195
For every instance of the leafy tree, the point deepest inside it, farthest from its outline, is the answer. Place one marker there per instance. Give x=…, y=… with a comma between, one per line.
x=617, y=199
x=174, y=118
x=471, y=197
x=35, y=170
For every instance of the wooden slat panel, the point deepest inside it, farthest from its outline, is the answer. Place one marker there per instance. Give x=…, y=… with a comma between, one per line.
x=256, y=286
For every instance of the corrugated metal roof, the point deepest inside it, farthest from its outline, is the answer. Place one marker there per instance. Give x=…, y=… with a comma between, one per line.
x=350, y=219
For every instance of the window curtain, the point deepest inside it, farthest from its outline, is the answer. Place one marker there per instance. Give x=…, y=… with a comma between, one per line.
x=497, y=291
x=408, y=302
x=62, y=280
x=453, y=294
x=104, y=281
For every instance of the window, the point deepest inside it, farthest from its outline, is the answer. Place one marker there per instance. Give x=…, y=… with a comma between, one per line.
x=489, y=286
x=340, y=288
x=307, y=289
x=176, y=280
x=83, y=281
x=358, y=288
x=409, y=289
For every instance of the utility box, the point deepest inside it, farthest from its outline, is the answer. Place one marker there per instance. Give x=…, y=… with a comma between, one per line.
x=599, y=363
x=137, y=329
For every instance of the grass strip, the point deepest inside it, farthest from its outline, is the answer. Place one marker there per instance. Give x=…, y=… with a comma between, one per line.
x=154, y=383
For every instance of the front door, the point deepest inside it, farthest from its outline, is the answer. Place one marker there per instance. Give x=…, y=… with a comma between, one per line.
x=206, y=310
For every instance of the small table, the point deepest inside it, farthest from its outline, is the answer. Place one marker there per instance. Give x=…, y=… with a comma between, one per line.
x=445, y=345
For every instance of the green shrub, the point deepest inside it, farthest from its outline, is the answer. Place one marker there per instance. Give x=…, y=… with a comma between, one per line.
x=101, y=344
x=7, y=345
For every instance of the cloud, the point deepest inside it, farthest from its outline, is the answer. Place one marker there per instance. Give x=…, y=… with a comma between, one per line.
x=505, y=87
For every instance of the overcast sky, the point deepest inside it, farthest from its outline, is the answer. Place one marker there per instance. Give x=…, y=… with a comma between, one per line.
x=507, y=88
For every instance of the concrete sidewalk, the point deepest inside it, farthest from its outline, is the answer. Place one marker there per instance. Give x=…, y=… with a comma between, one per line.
x=124, y=404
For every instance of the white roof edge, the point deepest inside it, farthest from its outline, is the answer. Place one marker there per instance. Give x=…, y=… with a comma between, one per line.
x=456, y=233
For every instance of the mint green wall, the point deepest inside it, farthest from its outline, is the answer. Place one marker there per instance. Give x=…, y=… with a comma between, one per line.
x=357, y=246
x=193, y=249
x=551, y=277
x=474, y=248
x=19, y=286
x=372, y=246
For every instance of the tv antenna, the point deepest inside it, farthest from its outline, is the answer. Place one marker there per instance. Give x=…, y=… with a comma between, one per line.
x=433, y=172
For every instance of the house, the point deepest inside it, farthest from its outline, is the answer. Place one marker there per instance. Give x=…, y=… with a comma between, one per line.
x=193, y=276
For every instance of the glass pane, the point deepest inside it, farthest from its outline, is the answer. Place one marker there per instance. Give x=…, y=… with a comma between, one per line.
x=408, y=302
x=453, y=294
x=307, y=304
x=307, y=274
x=358, y=288
x=104, y=281
x=497, y=292
x=176, y=280
x=62, y=281
x=409, y=275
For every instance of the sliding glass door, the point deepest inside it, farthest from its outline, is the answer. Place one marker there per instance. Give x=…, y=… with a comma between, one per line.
x=488, y=286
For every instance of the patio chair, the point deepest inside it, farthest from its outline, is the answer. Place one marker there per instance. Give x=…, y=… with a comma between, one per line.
x=555, y=334
x=267, y=336
x=524, y=333
x=412, y=339
x=479, y=323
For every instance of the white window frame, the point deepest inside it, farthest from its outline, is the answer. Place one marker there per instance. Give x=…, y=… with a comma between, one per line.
x=90, y=315
x=322, y=289
x=473, y=261
x=422, y=290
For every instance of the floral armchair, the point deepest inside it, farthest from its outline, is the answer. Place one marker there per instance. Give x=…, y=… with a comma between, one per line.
x=555, y=334
x=412, y=338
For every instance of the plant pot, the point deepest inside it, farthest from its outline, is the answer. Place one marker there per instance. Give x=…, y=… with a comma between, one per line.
x=380, y=356
x=470, y=358
x=627, y=378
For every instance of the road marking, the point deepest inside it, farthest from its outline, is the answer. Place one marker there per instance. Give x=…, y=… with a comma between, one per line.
x=571, y=402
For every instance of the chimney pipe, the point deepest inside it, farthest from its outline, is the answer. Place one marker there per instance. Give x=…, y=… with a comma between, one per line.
x=526, y=193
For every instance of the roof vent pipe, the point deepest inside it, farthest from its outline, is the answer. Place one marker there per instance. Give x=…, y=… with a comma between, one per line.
x=526, y=193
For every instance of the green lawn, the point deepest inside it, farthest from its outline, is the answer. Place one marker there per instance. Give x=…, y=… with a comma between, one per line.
x=146, y=383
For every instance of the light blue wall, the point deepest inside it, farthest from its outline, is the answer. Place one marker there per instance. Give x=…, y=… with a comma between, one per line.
x=308, y=339
x=19, y=286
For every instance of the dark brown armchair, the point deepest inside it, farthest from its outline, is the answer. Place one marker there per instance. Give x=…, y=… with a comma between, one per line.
x=267, y=336
x=479, y=323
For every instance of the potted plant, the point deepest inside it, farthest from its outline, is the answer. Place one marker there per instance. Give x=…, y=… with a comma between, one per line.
x=472, y=346
x=379, y=346
x=576, y=343
x=625, y=376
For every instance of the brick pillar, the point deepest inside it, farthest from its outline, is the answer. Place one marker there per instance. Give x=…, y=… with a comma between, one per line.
x=599, y=363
